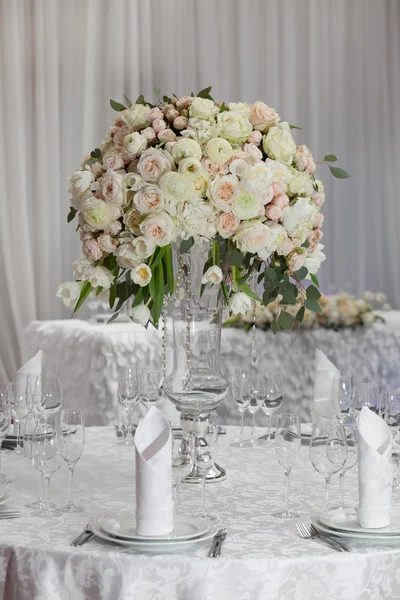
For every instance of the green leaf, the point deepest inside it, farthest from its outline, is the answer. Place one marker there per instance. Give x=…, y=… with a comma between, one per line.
x=96, y=153
x=224, y=292
x=157, y=257
x=330, y=158
x=313, y=293
x=223, y=108
x=85, y=291
x=313, y=306
x=300, y=314
x=71, y=214
x=305, y=244
x=125, y=289
x=269, y=296
x=205, y=93
x=339, y=173
x=186, y=245
x=301, y=273
x=215, y=253
x=117, y=106
x=244, y=287
x=157, y=91
x=235, y=258
x=288, y=297
x=271, y=275
x=139, y=297
x=128, y=102
x=169, y=269
x=111, y=319
x=294, y=126
x=314, y=279
x=99, y=290
x=166, y=99
x=140, y=100
x=285, y=320
x=112, y=295
x=157, y=293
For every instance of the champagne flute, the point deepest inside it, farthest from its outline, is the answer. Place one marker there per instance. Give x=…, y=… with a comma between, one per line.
x=342, y=392
x=287, y=447
x=5, y=422
x=151, y=390
x=182, y=464
x=72, y=440
x=48, y=396
x=242, y=400
x=269, y=397
x=205, y=440
x=128, y=394
x=46, y=458
x=19, y=401
x=328, y=450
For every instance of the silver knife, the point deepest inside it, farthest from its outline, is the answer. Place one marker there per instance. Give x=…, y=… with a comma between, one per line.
x=215, y=542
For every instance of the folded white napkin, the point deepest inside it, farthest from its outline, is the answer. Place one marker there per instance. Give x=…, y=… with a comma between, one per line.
x=325, y=372
x=32, y=367
x=153, y=448
x=374, y=470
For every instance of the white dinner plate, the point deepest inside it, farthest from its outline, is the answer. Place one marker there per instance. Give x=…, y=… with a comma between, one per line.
x=346, y=520
x=155, y=547
x=373, y=537
x=185, y=528
x=4, y=497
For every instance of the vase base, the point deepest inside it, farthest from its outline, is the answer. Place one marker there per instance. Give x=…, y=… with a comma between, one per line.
x=216, y=473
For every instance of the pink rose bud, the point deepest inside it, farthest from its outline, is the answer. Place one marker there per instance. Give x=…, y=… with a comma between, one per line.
x=273, y=212
x=279, y=188
x=296, y=242
x=159, y=125
x=268, y=196
x=174, y=99
x=172, y=114
x=149, y=134
x=183, y=102
x=286, y=248
x=155, y=113
x=167, y=107
x=282, y=200
x=319, y=221
x=255, y=153
x=255, y=138
x=167, y=135
x=96, y=169
x=314, y=238
x=92, y=250
x=180, y=123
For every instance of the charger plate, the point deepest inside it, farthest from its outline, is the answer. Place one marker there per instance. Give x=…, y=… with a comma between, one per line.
x=346, y=521
x=185, y=528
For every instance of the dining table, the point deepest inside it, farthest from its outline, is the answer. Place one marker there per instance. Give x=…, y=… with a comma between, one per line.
x=263, y=558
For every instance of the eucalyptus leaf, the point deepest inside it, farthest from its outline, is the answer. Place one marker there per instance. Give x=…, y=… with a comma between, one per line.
x=313, y=306
x=339, y=173
x=305, y=244
x=205, y=93
x=300, y=314
x=96, y=153
x=235, y=258
x=285, y=320
x=330, y=158
x=313, y=293
x=117, y=106
x=314, y=279
x=157, y=91
x=223, y=108
x=166, y=99
x=140, y=99
x=186, y=245
x=71, y=214
x=301, y=273
x=294, y=126
x=274, y=327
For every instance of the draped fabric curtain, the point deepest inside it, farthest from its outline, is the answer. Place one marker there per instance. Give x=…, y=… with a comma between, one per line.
x=331, y=67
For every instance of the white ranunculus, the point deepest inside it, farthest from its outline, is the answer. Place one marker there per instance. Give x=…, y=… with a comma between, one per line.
x=202, y=108
x=141, y=275
x=223, y=191
x=193, y=169
x=136, y=117
x=149, y=199
x=177, y=190
x=299, y=184
x=279, y=145
x=141, y=314
x=234, y=127
x=212, y=275
x=97, y=213
x=99, y=277
x=255, y=237
x=219, y=150
x=246, y=206
x=314, y=260
x=257, y=179
x=198, y=218
x=158, y=229
x=69, y=292
x=80, y=182
x=239, y=303
x=240, y=107
x=113, y=186
x=186, y=148
x=298, y=219
x=134, y=143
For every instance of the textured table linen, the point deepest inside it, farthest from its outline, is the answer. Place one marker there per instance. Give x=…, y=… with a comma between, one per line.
x=87, y=357
x=262, y=558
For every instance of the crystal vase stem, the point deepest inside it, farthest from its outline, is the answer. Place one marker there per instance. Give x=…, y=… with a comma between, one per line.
x=18, y=448
x=268, y=440
x=175, y=496
x=46, y=492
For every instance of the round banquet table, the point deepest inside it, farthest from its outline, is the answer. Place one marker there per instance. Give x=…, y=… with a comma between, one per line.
x=87, y=356
x=262, y=559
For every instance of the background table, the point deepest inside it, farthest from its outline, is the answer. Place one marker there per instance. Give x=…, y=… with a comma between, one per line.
x=262, y=558
x=87, y=356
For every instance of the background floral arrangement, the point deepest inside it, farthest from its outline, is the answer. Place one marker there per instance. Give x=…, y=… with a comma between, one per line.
x=189, y=169
x=337, y=311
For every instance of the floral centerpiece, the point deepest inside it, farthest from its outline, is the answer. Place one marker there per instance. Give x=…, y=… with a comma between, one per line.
x=186, y=169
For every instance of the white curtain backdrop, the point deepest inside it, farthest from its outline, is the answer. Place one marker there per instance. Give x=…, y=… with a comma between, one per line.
x=329, y=66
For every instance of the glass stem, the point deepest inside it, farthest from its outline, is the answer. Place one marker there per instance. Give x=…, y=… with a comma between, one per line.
x=203, y=493
x=1, y=443
x=268, y=430
x=41, y=486
x=341, y=484
x=241, y=428
x=286, y=509
x=253, y=427
x=175, y=492
x=18, y=448
x=71, y=477
x=46, y=491
x=327, y=491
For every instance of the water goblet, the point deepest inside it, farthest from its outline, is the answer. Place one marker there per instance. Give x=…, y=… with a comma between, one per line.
x=46, y=458
x=240, y=379
x=328, y=450
x=5, y=422
x=205, y=438
x=48, y=393
x=287, y=447
x=269, y=396
x=72, y=440
x=19, y=401
x=182, y=464
x=128, y=395
x=150, y=386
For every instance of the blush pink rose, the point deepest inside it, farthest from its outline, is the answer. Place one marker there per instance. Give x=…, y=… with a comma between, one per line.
x=213, y=168
x=255, y=137
x=314, y=238
x=155, y=113
x=262, y=117
x=180, y=123
x=167, y=135
x=119, y=137
x=159, y=125
x=319, y=219
x=92, y=250
x=85, y=235
x=295, y=262
x=268, y=196
x=171, y=114
x=149, y=134
x=286, y=248
x=227, y=224
x=184, y=102
x=273, y=212
x=153, y=163
x=107, y=243
x=279, y=188
x=113, y=160
x=282, y=201
x=254, y=152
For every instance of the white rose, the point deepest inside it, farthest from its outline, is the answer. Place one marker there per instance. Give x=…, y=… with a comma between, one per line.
x=69, y=292
x=212, y=275
x=191, y=168
x=223, y=191
x=234, y=127
x=158, y=228
x=113, y=186
x=314, y=260
x=177, y=190
x=136, y=117
x=198, y=218
x=262, y=116
x=256, y=238
x=99, y=277
x=219, y=150
x=246, y=206
x=239, y=303
x=154, y=163
x=240, y=107
x=149, y=199
x=141, y=275
x=97, y=213
x=186, y=148
x=141, y=314
x=134, y=144
x=257, y=180
x=279, y=145
x=299, y=184
x=202, y=108
x=80, y=182
x=227, y=224
x=298, y=219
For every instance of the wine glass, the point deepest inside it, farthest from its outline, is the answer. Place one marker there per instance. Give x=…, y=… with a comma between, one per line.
x=5, y=422
x=39, y=399
x=205, y=438
x=269, y=396
x=328, y=450
x=287, y=447
x=19, y=401
x=128, y=394
x=46, y=458
x=366, y=394
x=49, y=397
x=30, y=424
x=239, y=381
x=72, y=440
x=150, y=384
x=342, y=392
x=182, y=463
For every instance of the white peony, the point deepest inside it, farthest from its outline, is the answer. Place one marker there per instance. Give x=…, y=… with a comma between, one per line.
x=186, y=148
x=234, y=127
x=79, y=268
x=69, y=292
x=158, y=229
x=177, y=190
x=219, y=150
x=97, y=213
x=223, y=191
x=246, y=206
x=298, y=219
x=141, y=275
x=280, y=171
x=202, y=108
x=99, y=277
x=239, y=303
x=212, y=275
x=198, y=218
x=140, y=314
x=240, y=107
x=192, y=168
x=134, y=144
x=149, y=199
x=279, y=145
x=314, y=260
x=136, y=117
x=279, y=236
x=299, y=184
x=256, y=179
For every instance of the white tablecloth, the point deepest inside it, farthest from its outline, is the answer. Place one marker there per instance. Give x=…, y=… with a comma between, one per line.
x=262, y=558
x=87, y=357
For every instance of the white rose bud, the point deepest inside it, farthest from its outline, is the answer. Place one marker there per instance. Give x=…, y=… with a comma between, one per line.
x=141, y=275
x=212, y=275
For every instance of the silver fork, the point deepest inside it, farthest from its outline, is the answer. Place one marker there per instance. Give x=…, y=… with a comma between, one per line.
x=308, y=531
x=86, y=534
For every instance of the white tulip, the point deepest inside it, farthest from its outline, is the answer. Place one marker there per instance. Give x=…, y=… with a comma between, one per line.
x=141, y=314
x=212, y=275
x=69, y=293
x=141, y=275
x=239, y=303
